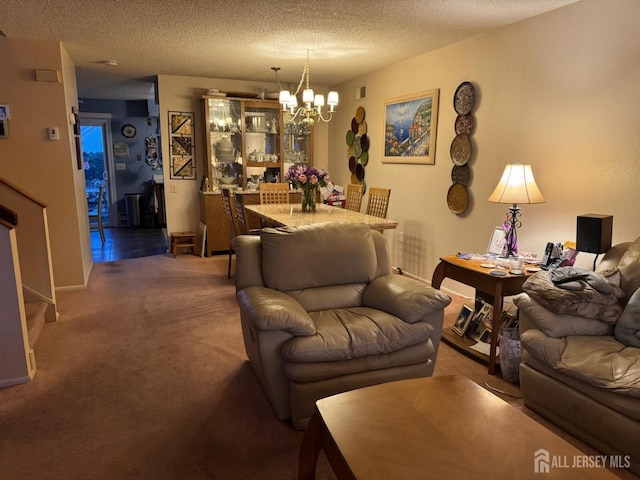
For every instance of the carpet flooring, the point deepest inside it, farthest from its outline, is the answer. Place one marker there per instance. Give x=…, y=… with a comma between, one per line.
x=144, y=376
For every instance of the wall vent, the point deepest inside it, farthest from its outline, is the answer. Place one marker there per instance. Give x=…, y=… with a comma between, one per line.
x=360, y=92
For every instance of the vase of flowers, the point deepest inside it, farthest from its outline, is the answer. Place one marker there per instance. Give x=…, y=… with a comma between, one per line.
x=307, y=179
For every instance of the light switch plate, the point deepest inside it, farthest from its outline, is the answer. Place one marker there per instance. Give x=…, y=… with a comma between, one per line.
x=121, y=166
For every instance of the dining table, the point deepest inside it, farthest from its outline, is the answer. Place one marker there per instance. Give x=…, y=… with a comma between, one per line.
x=291, y=215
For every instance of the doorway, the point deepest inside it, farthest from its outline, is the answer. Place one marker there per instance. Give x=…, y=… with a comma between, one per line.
x=95, y=131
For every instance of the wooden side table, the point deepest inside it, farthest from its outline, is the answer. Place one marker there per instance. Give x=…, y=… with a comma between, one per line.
x=182, y=240
x=471, y=273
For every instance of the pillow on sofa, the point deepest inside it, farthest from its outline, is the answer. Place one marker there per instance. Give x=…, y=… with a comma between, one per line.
x=558, y=325
x=629, y=267
x=628, y=327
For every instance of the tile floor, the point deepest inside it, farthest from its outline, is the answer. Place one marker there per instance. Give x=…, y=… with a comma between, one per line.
x=121, y=243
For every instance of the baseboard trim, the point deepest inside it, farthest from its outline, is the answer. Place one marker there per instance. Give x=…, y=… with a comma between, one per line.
x=15, y=381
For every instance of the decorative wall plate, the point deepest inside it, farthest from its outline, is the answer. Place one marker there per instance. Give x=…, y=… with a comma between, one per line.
x=359, y=172
x=352, y=164
x=460, y=150
x=464, y=98
x=461, y=174
x=359, y=114
x=354, y=125
x=457, y=198
x=357, y=147
x=364, y=143
x=362, y=128
x=464, y=124
x=128, y=130
x=364, y=158
x=350, y=137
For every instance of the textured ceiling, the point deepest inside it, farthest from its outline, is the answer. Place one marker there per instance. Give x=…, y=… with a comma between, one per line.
x=243, y=39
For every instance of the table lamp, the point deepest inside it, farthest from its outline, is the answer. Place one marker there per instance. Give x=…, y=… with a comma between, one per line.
x=517, y=185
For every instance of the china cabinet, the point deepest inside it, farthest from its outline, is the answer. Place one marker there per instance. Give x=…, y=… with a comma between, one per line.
x=246, y=143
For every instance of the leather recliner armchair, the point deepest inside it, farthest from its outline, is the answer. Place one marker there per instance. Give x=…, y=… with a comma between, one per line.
x=322, y=313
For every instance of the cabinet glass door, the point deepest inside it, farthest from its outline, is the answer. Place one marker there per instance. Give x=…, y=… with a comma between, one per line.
x=262, y=148
x=224, y=142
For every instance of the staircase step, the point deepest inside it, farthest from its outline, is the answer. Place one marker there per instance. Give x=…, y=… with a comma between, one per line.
x=35, y=319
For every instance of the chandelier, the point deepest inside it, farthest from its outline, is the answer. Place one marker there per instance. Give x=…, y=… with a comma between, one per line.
x=310, y=111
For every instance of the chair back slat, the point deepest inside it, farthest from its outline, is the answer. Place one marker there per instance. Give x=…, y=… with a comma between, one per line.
x=240, y=214
x=226, y=203
x=274, y=193
x=354, y=197
x=378, y=203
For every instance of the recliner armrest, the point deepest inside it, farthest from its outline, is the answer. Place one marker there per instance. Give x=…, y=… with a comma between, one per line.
x=268, y=309
x=404, y=297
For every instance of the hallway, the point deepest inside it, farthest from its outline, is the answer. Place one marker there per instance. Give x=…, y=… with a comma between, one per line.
x=121, y=243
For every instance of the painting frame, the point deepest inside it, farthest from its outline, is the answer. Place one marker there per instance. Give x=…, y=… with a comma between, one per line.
x=182, y=146
x=400, y=114
x=497, y=242
x=461, y=324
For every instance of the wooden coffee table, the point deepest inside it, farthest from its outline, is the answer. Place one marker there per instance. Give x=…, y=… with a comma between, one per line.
x=440, y=427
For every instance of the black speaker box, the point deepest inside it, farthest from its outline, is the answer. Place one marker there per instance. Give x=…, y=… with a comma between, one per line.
x=594, y=233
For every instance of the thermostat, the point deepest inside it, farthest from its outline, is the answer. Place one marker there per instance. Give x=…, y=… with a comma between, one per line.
x=53, y=133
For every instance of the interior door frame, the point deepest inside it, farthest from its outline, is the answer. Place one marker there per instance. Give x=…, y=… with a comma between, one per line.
x=104, y=120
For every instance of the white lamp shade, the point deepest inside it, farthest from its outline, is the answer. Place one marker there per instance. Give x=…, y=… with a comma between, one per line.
x=332, y=98
x=307, y=95
x=517, y=185
x=284, y=97
x=319, y=101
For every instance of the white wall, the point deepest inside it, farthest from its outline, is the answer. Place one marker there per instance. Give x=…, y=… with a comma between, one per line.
x=558, y=91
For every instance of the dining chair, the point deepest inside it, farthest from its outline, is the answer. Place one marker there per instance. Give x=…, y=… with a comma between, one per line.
x=226, y=203
x=241, y=216
x=378, y=203
x=274, y=193
x=98, y=217
x=354, y=197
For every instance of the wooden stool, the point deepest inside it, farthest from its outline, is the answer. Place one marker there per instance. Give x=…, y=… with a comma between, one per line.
x=182, y=240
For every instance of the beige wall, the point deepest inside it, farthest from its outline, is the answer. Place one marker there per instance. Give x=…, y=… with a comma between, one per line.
x=558, y=91
x=184, y=94
x=44, y=168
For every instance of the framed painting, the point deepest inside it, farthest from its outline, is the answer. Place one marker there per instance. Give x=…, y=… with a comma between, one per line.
x=182, y=146
x=410, y=127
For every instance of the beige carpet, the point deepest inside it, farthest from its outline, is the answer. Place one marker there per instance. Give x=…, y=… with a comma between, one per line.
x=145, y=377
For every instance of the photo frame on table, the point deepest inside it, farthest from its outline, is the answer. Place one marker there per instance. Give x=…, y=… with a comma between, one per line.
x=497, y=241
x=462, y=322
x=410, y=128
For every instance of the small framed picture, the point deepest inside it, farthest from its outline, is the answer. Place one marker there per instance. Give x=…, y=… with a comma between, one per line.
x=4, y=128
x=497, y=241
x=462, y=322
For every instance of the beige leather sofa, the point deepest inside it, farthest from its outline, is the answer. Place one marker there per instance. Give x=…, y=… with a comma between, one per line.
x=576, y=371
x=322, y=313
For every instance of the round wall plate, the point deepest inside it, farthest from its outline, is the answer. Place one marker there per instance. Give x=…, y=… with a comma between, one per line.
x=128, y=130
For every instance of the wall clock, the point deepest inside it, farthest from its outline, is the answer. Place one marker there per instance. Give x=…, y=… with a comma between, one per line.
x=129, y=130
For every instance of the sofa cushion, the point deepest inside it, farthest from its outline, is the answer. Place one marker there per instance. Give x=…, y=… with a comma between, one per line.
x=348, y=333
x=317, y=255
x=328, y=297
x=628, y=327
x=558, y=325
x=600, y=361
x=629, y=267
x=316, y=371
x=587, y=302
